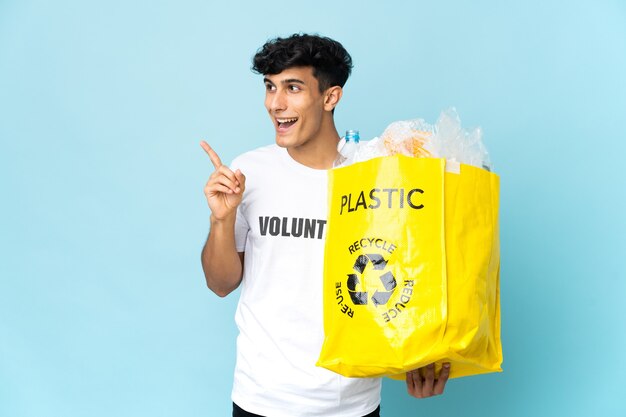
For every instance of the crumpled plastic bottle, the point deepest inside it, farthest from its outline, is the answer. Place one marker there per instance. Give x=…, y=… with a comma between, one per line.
x=446, y=139
x=454, y=143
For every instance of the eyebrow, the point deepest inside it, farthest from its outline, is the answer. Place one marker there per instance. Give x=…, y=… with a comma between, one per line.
x=292, y=80
x=287, y=81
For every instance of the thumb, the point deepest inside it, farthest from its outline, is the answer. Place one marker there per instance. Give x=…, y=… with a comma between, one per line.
x=241, y=178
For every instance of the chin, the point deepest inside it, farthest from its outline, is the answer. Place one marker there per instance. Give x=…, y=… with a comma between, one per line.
x=284, y=142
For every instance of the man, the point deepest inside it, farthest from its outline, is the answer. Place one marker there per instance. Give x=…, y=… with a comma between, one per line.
x=267, y=234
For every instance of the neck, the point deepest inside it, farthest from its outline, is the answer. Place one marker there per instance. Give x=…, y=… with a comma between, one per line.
x=320, y=152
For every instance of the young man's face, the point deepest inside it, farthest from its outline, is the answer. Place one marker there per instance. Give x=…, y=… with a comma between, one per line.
x=295, y=105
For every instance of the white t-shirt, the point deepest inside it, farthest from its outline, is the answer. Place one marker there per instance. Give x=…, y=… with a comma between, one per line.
x=281, y=226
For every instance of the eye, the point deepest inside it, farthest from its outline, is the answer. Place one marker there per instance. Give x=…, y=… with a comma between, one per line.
x=293, y=87
x=269, y=87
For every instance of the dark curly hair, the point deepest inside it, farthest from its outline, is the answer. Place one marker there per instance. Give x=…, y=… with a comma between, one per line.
x=330, y=61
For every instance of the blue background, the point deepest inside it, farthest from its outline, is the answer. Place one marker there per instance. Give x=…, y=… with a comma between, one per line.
x=103, y=306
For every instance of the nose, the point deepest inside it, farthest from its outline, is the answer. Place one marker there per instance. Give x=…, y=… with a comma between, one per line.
x=276, y=101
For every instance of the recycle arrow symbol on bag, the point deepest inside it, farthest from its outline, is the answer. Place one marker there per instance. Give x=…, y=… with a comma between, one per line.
x=387, y=279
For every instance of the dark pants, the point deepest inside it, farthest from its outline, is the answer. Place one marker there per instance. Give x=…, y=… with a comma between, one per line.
x=239, y=412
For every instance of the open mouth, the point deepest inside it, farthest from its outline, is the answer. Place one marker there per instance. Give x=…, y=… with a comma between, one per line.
x=286, y=123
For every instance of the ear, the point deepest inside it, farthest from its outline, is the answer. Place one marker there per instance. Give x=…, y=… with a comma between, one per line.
x=331, y=97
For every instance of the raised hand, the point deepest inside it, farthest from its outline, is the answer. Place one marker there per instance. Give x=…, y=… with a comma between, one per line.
x=224, y=189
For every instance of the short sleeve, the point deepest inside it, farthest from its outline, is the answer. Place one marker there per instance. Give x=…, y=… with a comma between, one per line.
x=241, y=230
x=241, y=224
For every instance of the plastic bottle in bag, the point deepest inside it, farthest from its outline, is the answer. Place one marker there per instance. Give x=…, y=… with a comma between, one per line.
x=347, y=148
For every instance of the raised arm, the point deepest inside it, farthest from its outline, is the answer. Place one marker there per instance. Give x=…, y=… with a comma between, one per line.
x=222, y=264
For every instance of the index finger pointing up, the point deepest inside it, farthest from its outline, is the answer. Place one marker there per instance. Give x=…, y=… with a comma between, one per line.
x=217, y=162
